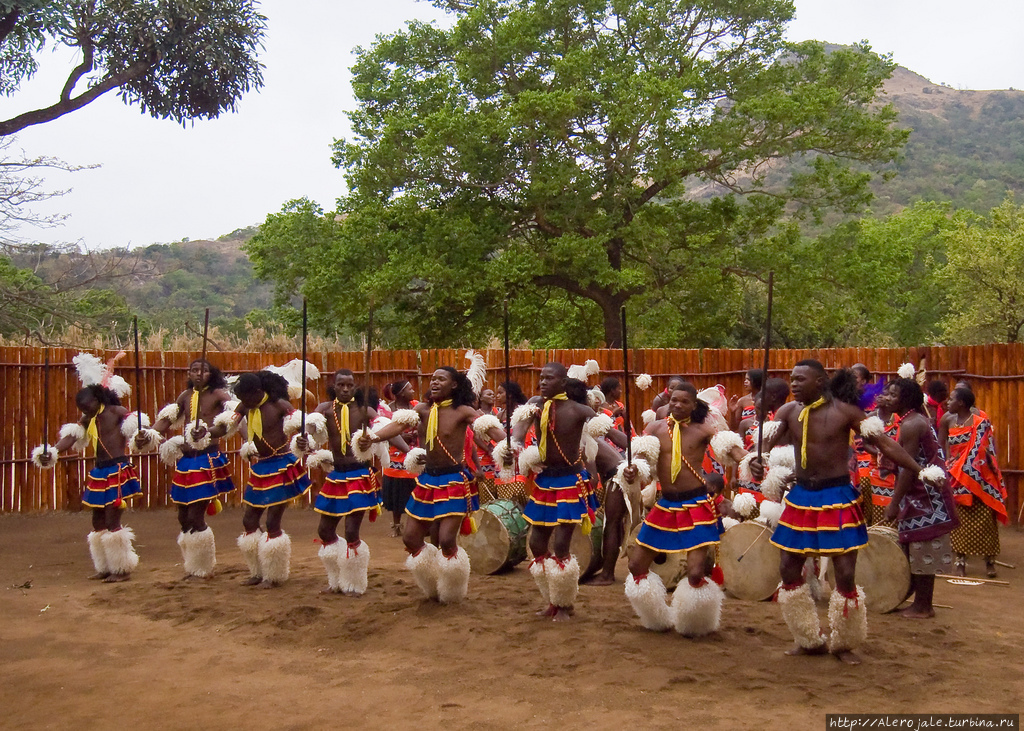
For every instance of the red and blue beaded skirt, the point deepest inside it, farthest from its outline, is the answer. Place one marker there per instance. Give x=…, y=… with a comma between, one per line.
x=681, y=525
x=560, y=498
x=201, y=476
x=829, y=520
x=110, y=480
x=348, y=490
x=275, y=480
x=443, y=495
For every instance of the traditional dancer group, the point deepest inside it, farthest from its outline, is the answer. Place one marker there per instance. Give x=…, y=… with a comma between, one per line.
x=795, y=470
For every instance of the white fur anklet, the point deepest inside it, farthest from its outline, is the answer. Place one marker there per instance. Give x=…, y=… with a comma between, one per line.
x=649, y=600
x=424, y=568
x=276, y=558
x=540, y=576
x=331, y=555
x=97, y=552
x=202, y=553
x=847, y=620
x=355, y=565
x=121, y=556
x=563, y=580
x=249, y=544
x=452, y=577
x=801, y=616
x=698, y=609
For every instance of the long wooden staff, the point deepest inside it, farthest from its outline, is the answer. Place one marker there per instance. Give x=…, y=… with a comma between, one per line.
x=508, y=379
x=206, y=330
x=762, y=410
x=625, y=388
x=46, y=401
x=138, y=389
x=302, y=386
x=366, y=376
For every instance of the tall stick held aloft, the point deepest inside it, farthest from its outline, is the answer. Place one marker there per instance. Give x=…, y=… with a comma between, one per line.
x=302, y=396
x=46, y=400
x=508, y=379
x=761, y=411
x=206, y=332
x=366, y=375
x=138, y=388
x=625, y=388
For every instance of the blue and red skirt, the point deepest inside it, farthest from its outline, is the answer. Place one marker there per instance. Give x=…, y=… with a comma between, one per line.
x=681, y=525
x=443, y=494
x=110, y=480
x=275, y=480
x=348, y=490
x=557, y=498
x=825, y=520
x=201, y=476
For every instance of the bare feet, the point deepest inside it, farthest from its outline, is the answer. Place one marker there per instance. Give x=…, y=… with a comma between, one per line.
x=268, y=584
x=329, y=590
x=193, y=577
x=916, y=612
x=253, y=581
x=548, y=611
x=599, y=580
x=990, y=569
x=847, y=657
x=116, y=578
x=562, y=614
x=100, y=576
x=821, y=649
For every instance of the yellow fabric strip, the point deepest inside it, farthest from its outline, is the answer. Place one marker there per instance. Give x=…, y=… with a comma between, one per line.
x=193, y=410
x=255, y=419
x=92, y=431
x=677, y=445
x=432, y=422
x=805, y=419
x=545, y=418
x=343, y=427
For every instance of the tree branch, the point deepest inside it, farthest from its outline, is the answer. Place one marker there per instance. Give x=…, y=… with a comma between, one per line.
x=9, y=22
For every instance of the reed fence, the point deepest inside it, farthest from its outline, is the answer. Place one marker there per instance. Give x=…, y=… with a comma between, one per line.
x=995, y=371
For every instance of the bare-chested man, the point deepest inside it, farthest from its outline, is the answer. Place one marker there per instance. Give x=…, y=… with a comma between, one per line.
x=275, y=476
x=561, y=499
x=822, y=515
x=112, y=480
x=350, y=490
x=445, y=492
x=201, y=470
x=683, y=520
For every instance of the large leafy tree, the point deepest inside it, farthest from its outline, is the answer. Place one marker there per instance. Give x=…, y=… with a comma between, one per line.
x=178, y=59
x=606, y=151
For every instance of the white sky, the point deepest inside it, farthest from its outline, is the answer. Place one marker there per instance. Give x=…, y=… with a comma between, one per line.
x=159, y=183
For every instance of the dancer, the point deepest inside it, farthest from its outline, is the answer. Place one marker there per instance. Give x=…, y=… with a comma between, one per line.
x=684, y=520
x=925, y=509
x=444, y=495
x=398, y=482
x=775, y=392
x=977, y=481
x=742, y=407
x=107, y=427
x=561, y=499
x=822, y=515
x=201, y=470
x=275, y=475
x=661, y=398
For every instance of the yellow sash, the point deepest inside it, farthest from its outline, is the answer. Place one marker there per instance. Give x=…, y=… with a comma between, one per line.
x=92, y=431
x=677, y=445
x=343, y=428
x=255, y=419
x=432, y=422
x=545, y=417
x=194, y=405
x=805, y=419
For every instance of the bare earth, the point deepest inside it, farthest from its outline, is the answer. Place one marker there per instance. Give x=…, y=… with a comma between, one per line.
x=159, y=652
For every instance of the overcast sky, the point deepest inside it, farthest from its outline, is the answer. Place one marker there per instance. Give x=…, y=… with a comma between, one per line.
x=159, y=182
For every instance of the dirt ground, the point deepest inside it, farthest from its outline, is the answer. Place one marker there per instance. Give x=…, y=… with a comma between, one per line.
x=158, y=652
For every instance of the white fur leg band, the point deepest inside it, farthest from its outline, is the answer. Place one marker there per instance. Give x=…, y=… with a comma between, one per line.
x=847, y=621
x=276, y=558
x=452, y=576
x=249, y=545
x=540, y=576
x=563, y=580
x=801, y=616
x=649, y=600
x=354, y=566
x=331, y=556
x=722, y=445
x=412, y=463
x=120, y=553
x=698, y=609
x=424, y=569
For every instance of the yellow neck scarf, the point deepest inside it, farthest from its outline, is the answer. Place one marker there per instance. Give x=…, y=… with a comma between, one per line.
x=804, y=419
x=344, y=431
x=677, y=445
x=194, y=405
x=545, y=418
x=255, y=419
x=92, y=431
x=432, y=422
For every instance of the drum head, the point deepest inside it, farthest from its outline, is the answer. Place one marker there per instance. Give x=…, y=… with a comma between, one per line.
x=756, y=576
x=488, y=548
x=671, y=567
x=882, y=570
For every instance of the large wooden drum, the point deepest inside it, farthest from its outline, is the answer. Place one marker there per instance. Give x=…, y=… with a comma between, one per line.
x=755, y=576
x=500, y=539
x=671, y=567
x=883, y=570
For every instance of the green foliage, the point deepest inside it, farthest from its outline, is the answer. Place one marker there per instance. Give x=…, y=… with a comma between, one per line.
x=985, y=276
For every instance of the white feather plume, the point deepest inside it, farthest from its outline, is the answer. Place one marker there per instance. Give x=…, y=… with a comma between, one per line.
x=91, y=369
x=592, y=367
x=649, y=417
x=744, y=504
x=477, y=371
x=644, y=381
x=598, y=426
x=119, y=386
x=906, y=370
x=578, y=372
x=524, y=413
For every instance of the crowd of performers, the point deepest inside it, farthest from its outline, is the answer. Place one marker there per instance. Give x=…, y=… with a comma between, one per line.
x=842, y=454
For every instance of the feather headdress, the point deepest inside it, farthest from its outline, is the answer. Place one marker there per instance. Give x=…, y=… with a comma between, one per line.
x=477, y=371
x=292, y=372
x=585, y=371
x=94, y=372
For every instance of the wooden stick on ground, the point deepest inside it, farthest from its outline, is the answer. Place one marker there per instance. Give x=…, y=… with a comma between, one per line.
x=974, y=578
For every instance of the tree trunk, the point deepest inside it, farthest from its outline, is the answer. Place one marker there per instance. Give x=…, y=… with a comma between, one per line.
x=611, y=307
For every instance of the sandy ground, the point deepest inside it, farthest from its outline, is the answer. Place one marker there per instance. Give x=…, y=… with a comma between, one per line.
x=159, y=652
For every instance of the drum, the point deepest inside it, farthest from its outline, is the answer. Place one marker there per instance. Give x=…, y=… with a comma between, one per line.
x=500, y=539
x=492, y=488
x=750, y=563
x=587, y=549
x=671, y=567
x=883, y=570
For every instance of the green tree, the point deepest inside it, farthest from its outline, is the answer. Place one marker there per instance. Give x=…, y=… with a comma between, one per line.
x=178, y=59
x=605, y=150
x=985, y=276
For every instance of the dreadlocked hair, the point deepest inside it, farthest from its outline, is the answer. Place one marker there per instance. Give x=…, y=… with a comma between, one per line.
x=463, y=394
x=843, y=386
x=576, y=390
x=909, y=396
x=514, y=394
x=275, y=386
x=700, y=410
x=216, y=380
x=101, y=393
